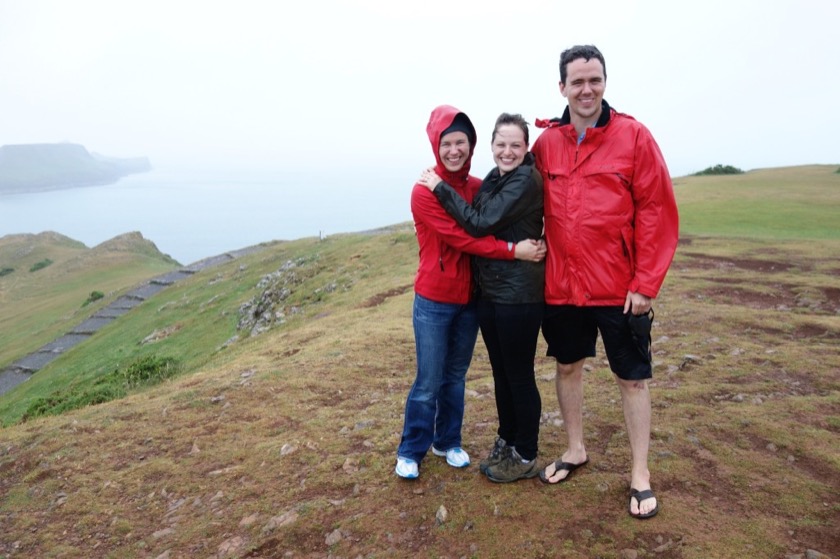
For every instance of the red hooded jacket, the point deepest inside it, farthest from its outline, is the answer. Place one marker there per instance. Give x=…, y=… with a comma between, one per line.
x=444, y=273
x=611, y=221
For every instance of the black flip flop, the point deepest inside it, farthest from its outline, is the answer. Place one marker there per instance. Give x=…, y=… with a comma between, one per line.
x=641, y=496
x=560, y=465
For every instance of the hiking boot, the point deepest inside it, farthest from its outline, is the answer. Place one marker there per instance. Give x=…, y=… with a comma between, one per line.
x=512, y=468
x=497, y=454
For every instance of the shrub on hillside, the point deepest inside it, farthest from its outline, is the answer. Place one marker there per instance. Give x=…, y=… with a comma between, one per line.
x=144, y=371
x=40, y=265
x=720, y=170
x=94, y=296
x=147, y=371
x=6, y=271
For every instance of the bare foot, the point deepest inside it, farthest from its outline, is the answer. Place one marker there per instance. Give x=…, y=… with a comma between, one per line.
x=561, y=469
x=645, y=508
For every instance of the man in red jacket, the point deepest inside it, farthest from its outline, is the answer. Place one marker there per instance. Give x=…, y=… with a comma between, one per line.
x=444, y=315
x=611, y=227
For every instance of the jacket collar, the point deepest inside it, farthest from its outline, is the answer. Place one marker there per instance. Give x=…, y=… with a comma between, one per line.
x=603, y=120
x=496, y=175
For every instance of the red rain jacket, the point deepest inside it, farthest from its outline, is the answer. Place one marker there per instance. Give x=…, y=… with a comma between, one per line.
x=611, y=221
x=444, y=273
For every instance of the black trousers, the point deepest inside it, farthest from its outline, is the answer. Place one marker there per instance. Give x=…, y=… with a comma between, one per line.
x=510, y=333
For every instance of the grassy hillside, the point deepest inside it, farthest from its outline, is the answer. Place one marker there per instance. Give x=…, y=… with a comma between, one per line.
x=282, y=443
x=38, y=306
x=789, y=203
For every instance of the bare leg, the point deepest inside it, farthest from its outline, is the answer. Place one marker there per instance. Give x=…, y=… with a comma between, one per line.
x=569, y=386
x=635, y=399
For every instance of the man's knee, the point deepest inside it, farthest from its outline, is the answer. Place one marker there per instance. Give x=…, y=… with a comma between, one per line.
x=566, y=370
x=632, y=386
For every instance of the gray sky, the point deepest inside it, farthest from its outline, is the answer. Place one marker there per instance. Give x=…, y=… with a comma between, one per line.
x=348, y=86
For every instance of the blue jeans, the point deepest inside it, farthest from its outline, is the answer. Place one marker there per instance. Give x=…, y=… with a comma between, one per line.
x=444, y=336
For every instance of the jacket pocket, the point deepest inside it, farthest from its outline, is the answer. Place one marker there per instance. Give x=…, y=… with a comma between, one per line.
x=629, y=244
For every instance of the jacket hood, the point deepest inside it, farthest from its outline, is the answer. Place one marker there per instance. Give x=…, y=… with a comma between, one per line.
x=441, y=119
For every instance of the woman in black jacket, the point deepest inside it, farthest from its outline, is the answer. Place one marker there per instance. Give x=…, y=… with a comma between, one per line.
x=509, y=206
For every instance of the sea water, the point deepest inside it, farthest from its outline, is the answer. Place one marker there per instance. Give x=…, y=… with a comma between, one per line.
x=193, y=216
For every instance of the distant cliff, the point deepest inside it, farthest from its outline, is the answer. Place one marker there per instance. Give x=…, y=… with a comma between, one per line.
x=33, y=167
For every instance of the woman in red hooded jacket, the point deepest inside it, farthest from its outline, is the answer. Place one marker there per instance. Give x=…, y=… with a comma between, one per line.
x=444, y=315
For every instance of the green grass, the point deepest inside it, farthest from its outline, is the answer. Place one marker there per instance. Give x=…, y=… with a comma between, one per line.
x=37, y=308
x=94, y=296
x=148, y=370
x=788, y=203
x=202, y=313
x=40, y=265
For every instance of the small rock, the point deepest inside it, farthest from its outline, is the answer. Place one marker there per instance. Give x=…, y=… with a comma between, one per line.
x=165, y=555
x=163, y=533
x=664, y=547
x=217, y=399
x=249, y=520
x=230, y=546
x=629, y=554
x=60, y=498
x=442, y=515
x=333, y=537
x=814, y=554
x=287, y=449
x=791, y=458
x=364, y=425
x=279, y=521
x=772, y=448
x=194, y=450
x=738, y=398
x=351, y=465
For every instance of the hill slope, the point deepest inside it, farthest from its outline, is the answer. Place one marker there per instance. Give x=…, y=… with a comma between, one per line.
x=48, y=277
x=278, y=438
x=30, y=167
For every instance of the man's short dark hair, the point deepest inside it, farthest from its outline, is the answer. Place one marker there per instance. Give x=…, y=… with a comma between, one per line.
x=587, y=52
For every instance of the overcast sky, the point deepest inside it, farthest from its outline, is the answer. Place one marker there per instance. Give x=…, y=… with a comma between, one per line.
x=349, y=85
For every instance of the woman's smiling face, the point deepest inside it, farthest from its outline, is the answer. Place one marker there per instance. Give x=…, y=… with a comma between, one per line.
x=509, y=147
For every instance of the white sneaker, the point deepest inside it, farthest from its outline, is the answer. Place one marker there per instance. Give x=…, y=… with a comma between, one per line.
x=455, y=457
x=406, y=468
